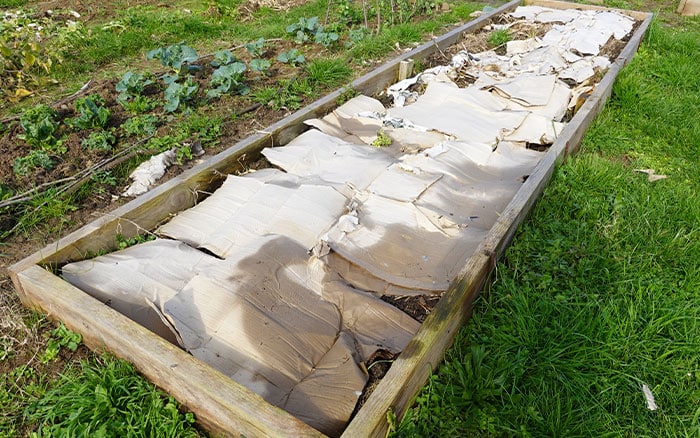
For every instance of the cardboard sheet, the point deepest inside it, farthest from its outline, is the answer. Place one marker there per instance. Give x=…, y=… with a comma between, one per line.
x=287, y=329
x=245, y=208
x=467, y=114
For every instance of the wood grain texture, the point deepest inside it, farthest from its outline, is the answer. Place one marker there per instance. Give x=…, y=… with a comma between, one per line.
x=221, y=405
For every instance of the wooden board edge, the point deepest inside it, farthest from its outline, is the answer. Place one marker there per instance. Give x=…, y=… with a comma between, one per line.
x=408, y=374
x=219, y=403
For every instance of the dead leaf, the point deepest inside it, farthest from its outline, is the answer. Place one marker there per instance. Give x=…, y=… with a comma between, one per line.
x=651, y=175
x=21, y=93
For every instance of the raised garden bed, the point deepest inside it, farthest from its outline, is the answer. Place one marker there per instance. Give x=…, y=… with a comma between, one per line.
x=220, y=404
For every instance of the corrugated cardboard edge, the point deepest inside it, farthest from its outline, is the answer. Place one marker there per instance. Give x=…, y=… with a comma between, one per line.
x=689, y=8
x=221, y=405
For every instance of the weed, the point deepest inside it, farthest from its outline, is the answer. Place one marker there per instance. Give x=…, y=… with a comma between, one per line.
x=29, y=48
x=204, y=128
x=382, y=139
x=347, y=93
x=60, y=337
x=139, y=104
x=124, y=242
x=140, y=126
x=328, y=72
x=100, y=141
x=278, y=98
x=499, y=37
x=106, y=397
x=104, y=177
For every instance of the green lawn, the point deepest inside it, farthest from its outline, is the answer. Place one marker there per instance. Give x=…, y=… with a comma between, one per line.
x=600, y=291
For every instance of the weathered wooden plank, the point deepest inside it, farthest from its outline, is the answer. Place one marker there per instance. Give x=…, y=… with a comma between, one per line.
x=222, y=406
x=425, y=352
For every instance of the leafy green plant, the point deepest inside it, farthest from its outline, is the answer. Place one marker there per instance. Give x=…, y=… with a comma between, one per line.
x=177, y=56
x=29, y=49
x=180, y=93
x=326, y=39
x=304, y=29
x=35, y=158
x=260, y=65
x=227, y=79
x=92, y=113
x=139, y=104
x=61, y=337
x=307, y=29
x=140, y=126
x=40, y=125
x=382, y=139
x=106, y=397
x=499, y=37
x=100, y=141
x=256, y=48
x=104, y=177
x=291, y=56
x=223, y=57
x=356, y=35
x=132, y=85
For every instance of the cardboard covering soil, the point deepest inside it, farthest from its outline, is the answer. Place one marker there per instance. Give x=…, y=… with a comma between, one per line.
x=276, y=322
x=274, y=279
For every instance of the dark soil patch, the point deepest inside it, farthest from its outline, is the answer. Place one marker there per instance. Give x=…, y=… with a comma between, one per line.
x=417, y=307
x=377, y=366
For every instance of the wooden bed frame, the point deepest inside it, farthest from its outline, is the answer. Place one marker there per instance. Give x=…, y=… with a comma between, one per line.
x=222, y=406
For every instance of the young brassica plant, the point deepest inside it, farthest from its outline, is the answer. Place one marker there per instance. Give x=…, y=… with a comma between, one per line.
x=131, y=85
x=178, y=93
x=256, y=48
x=92, y=113
x=223, y=57
x=226, y=79
x=260, y=65
x=175, y=56
x=291, y=56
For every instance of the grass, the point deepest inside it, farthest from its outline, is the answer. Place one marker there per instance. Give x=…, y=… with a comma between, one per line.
x=598, y=293
x=106, y=397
